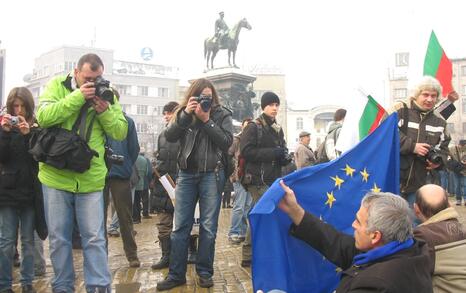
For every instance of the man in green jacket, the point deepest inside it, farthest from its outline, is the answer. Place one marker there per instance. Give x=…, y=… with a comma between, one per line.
x=67, y=193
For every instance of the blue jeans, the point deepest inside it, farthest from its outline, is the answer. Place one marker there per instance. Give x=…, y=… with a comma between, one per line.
x=459, y=186
x=10, y=218
x=207, y=188
x=443, y=179
x=60, y=209
x=241, y=207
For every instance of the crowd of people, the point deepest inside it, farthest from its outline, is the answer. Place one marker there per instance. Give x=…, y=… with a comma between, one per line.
x=198, y=152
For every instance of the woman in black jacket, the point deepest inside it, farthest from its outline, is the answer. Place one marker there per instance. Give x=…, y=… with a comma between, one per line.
x=19, y=189
x=205, y=131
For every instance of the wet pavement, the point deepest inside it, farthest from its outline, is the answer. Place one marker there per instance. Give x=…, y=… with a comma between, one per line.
x=229, y=276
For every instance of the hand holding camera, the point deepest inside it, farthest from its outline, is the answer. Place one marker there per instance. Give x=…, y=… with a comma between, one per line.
x=10, y=121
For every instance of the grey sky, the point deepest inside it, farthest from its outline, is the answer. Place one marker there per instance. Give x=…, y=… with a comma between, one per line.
x=326, y=48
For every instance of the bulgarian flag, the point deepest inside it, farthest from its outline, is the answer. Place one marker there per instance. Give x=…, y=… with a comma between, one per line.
x=359, y=123
x=437, y=64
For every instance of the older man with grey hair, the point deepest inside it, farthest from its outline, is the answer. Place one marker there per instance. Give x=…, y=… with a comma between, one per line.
x=381, y=257
x=424, y=138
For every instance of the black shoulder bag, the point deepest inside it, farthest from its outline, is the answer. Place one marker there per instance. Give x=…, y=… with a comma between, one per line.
x=65, y=149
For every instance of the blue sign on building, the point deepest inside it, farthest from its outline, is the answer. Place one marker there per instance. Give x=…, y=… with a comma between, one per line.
x=147, y=53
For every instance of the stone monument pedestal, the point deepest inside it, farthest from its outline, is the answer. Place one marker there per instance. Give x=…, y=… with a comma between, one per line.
x=233, y=85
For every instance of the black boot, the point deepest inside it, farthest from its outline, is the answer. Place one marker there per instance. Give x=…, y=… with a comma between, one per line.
x=192, y=249
x=168, y=284
x=164, y=260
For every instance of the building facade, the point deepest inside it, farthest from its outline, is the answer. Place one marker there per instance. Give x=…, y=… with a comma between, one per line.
x=2, y=77
x=144, y=88
x=315, y=121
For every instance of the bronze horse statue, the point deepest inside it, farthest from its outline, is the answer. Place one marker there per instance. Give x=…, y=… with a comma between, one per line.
x=231, y=41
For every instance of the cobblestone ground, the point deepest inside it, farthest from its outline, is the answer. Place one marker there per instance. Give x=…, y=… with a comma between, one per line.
x=229, y=275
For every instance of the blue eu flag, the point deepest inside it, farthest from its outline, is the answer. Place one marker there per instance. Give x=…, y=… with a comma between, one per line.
x=331, y=191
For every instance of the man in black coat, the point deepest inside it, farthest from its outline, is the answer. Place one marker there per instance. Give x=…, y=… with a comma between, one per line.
x=381, y=257
x=263, y=147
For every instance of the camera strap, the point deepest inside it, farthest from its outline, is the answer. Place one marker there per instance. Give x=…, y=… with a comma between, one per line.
x=80, y=123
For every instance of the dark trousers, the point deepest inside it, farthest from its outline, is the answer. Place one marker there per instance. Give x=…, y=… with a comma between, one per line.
x=121, y=197
x=138, y=196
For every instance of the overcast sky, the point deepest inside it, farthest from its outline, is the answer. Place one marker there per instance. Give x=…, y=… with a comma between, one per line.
x=327, y=49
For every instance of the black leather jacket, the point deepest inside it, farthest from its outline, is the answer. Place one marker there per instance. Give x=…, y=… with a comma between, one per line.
x=167, y=155
x=207, y=142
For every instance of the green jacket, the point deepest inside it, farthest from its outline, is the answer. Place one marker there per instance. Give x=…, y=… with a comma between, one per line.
x=60, y=105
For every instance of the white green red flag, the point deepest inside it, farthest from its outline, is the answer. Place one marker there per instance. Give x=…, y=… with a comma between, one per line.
x=360, y=121
x=437, y=64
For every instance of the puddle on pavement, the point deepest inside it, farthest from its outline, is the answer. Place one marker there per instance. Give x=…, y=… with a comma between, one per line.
x=127, y=288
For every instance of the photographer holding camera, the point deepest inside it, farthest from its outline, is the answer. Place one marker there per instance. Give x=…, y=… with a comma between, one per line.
x=21, y=204
x=264, y=149
x=204, y=130
x=423, y=137
x=69, y=194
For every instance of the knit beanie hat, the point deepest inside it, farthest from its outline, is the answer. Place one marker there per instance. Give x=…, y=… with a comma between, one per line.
x=170, y=107
x=269, y=98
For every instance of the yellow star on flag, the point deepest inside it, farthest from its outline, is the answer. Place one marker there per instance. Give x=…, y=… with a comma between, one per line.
x=330, y=199
x=338, y=270
x=376, y=188
x=364, y=174
x=349, y=171
x=338, y=181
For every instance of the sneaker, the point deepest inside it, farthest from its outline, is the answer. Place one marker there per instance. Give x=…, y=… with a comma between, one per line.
x=168, y=284
x=113, y=233
x=458, y=202
x=137, y=221
x=246, y=263
x=205, y=282
x=134, y=263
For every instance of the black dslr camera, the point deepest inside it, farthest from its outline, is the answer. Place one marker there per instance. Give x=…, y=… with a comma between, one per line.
x=434, y=156
x=112, y=158
x=287, y=158
x=205, y=101
x=102, y=89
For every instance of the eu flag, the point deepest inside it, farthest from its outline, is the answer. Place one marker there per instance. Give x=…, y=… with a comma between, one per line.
x=331, y=191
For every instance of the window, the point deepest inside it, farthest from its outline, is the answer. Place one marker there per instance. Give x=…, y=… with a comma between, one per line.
x=451, y=127
x=123, y=89
x=464, y=127
x=400, y=93
x=142, y=110
x=463, y=70
x=143, y=91
x=402, y=59
x=299, y=123
x=141, y=127
x=163, y=92
x=126, y=108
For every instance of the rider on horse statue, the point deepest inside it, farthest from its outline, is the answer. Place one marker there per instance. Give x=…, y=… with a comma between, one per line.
x=221, y=30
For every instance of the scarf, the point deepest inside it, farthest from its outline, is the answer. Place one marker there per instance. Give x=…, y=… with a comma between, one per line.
x=382, y=251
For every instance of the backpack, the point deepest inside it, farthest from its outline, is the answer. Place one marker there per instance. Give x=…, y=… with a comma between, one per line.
x=321, y=153
x=241, y=161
